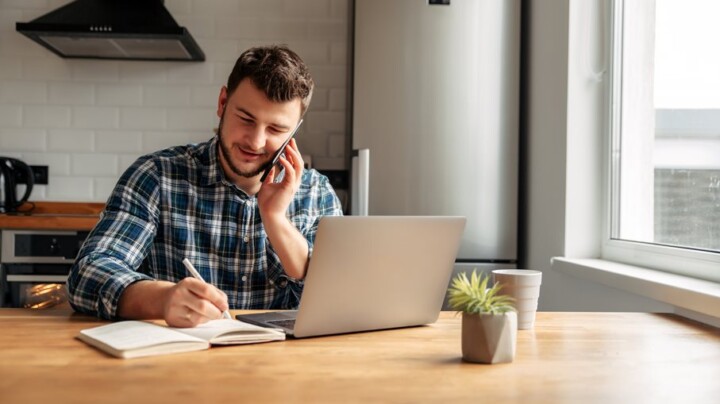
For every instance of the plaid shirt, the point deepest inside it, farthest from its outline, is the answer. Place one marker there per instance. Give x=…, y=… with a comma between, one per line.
x=176, y=203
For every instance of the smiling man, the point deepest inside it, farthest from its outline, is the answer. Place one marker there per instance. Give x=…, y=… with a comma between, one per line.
x=250, y=240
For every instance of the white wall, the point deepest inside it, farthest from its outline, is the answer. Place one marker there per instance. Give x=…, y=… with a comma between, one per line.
x=564, y=142
x=88, y=120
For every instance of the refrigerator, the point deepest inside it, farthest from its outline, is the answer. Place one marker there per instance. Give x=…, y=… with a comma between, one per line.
x=435, y=112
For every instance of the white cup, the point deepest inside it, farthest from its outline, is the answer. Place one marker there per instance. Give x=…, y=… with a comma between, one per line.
x=524, y=286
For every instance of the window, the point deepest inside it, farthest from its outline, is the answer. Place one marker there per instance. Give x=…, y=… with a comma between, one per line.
x=664, y=164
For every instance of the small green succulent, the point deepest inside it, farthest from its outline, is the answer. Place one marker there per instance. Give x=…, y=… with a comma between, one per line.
x=472, y=295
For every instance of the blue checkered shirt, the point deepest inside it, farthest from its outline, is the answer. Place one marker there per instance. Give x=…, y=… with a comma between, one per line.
x=176, y=203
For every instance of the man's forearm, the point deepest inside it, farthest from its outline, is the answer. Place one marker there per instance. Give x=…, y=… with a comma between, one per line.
x=290, y=246
x=144, y=300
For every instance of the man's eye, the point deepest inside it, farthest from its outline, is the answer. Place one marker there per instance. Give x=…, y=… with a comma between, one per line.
x=247, y=120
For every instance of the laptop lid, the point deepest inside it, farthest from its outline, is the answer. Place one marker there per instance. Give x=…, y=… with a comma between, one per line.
x=377, y=272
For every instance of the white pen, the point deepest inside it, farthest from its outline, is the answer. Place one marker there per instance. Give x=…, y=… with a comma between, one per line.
x=189, y=266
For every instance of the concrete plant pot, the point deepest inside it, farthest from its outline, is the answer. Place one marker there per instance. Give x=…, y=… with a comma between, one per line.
x=489, y=338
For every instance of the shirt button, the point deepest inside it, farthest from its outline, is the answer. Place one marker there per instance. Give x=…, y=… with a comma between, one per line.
x=271, y=282
x=244, y=278
x=246, y=239
x=283, y=282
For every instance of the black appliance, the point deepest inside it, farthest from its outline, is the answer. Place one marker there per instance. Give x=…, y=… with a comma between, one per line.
x=113, y=29
x=12, y=173
x=35, y=265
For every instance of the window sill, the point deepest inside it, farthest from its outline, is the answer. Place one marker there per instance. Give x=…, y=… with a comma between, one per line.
x=693, y=298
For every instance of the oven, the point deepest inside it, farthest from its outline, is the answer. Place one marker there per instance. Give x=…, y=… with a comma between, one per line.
x=34, y=265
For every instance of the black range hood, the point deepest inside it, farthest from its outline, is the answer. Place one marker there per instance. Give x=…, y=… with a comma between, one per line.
x=113, y=29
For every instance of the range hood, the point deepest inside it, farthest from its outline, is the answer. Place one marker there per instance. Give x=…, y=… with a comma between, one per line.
x=113, y=29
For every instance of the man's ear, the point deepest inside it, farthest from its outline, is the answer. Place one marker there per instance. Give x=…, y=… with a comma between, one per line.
x=222, y=101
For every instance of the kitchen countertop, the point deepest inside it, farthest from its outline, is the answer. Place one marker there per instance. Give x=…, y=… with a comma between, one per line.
x=54, y=216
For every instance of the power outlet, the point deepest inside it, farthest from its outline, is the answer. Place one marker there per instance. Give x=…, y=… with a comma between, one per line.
x=40, y=174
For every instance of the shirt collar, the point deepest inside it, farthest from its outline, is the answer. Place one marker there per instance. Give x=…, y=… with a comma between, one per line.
x=207, y=156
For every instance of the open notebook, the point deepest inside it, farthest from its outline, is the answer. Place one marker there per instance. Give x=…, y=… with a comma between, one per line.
x=134, y=339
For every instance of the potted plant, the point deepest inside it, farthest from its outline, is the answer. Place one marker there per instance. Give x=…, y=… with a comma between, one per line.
x=489, y=322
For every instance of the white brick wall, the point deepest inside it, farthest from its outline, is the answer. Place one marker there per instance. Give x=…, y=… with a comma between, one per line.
x=88, y=120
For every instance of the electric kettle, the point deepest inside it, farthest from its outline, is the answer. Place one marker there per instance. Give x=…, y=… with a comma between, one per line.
x=13, y=172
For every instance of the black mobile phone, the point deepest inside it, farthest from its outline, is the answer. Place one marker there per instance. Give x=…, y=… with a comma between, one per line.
x=279, y=152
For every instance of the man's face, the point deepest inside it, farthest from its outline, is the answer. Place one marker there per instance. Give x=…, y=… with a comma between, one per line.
x=252, y=128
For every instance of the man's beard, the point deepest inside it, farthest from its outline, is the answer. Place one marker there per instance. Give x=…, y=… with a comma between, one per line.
x=225, y=149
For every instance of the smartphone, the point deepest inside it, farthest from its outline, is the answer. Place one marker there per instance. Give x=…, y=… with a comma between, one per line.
x=280, y=152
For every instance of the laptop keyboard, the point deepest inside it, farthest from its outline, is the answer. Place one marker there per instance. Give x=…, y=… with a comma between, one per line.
x=289, y=324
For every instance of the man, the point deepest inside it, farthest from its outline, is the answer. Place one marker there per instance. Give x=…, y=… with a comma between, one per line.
x=250, y=241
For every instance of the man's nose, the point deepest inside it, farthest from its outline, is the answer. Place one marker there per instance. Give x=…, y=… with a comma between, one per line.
x=257, y=138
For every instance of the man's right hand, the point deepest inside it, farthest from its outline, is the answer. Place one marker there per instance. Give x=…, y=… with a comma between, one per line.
x=191, y=302
x=187, y=303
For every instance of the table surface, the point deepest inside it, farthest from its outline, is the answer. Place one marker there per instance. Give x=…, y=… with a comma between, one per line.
x=54, y=216
x=567, y=357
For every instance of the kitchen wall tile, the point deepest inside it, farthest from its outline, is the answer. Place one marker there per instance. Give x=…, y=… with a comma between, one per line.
x=191, y=119
x=199, y=27
x=336, y=145
x=8, y=18
x=10, y=69
x=329, y=76
x=215, y=7
x=25, y=4
x=22, y=140
x=38, y=68
x=283, y=30
x=308, y=8
x=119, y=141
x=143, y=72
x=323, y=121
x=166, y=96
x=338, y=52
x=222, y=50
x=154, y=141
x=340, y=9
x=206, y=96
x=16, y=45
x=75, y=188
x=259, y=8
x=95, y=117
x=338, y=99
x=312, y=52
x=319, y=101
x=45, y=116
x=104, y=71
x=126, y=160
x=328, y=29
x=10, y=115
x=71, y=93
x=142, y=118
x=238, y=27
x=311, y=143
x=23, y=92
x=194, y=73
x=93, y=164
x=178, y=7
x=103, y=187
x=329, y=163
x=119, y=94
x=70, y=140
x=58, y=163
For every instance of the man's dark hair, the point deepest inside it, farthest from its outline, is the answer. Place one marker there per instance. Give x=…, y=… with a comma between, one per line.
x=277, y=71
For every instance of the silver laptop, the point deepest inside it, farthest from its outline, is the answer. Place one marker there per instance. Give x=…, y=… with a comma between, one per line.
x=371, y=273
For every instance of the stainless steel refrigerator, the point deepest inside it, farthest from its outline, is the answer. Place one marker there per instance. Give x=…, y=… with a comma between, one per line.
x=436, y=108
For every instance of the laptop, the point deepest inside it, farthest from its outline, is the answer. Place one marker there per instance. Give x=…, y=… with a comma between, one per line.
x=372, y=273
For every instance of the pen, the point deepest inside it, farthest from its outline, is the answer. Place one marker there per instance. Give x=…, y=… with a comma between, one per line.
x=189, y=266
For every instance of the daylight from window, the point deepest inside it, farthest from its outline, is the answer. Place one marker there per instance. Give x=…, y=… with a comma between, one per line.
x=670, y=168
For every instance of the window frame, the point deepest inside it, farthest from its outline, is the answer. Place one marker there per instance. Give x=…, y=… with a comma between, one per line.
x=684, y=261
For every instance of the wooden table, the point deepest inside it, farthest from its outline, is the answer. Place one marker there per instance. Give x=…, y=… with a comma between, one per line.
x=567, y=358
